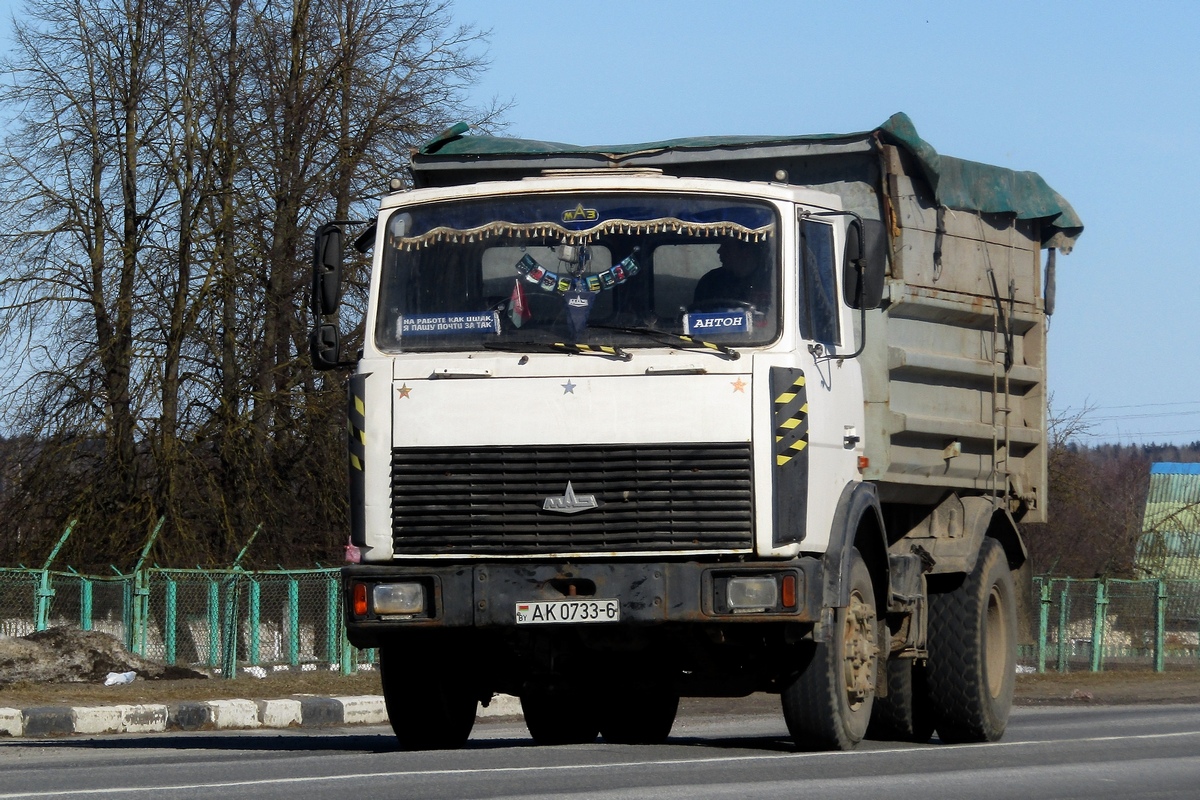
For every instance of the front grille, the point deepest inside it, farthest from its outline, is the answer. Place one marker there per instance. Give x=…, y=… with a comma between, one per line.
x=489, y=499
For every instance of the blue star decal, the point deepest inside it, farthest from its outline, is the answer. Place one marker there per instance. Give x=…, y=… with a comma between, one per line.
x=568, y=387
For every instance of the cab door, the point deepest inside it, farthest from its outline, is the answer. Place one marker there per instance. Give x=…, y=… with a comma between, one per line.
x=832, y=408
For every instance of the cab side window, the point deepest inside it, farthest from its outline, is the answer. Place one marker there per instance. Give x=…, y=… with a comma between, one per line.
x=818, y=284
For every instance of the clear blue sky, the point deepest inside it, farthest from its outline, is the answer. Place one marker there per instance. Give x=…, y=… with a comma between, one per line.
x=1101, y=98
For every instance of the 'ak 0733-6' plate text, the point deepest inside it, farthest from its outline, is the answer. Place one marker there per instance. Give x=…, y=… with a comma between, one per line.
x=582, y=610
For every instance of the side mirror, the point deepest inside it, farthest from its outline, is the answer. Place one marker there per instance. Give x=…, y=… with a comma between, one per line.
x=865, y=264
x=327, y=269
x=324, y=346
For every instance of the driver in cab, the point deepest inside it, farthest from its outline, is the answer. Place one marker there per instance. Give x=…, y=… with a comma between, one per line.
x=741, y=281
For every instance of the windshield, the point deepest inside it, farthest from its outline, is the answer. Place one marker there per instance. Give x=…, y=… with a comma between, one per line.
x=588, y=269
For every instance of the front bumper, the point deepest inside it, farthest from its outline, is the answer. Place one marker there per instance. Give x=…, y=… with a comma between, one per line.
x=485, y=595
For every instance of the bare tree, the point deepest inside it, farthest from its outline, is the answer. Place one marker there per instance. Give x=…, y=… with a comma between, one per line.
x=78, y=200
x=165, y=167
x=1095, y=507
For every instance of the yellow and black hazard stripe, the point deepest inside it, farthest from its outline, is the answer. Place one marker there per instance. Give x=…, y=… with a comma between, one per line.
x=356, y=424
x=791, y=421
x=789, y=479
x=720, y=348
x=356, y=428
x=593, y=349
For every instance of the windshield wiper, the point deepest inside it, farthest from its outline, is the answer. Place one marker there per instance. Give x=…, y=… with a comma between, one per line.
x=676, y=341
x=560, y=347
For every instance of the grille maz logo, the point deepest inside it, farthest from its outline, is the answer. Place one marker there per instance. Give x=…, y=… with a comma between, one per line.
x=570, y=503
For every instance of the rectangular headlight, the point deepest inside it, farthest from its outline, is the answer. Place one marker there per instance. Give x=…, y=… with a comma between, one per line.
x=398, y=598
x=757, y=592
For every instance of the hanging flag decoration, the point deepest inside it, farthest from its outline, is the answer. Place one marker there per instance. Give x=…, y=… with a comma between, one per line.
x=518, y=307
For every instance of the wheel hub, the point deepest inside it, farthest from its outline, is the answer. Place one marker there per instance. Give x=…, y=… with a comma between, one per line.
x=995, y=642
x=860, y=650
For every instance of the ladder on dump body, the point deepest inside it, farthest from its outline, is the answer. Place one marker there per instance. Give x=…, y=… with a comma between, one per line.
x=1002, y=361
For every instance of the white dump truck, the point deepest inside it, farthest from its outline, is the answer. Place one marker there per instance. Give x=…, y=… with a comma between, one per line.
x=702, y=417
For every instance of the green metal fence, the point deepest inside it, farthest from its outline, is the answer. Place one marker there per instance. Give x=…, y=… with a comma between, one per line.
x=215, y=619
x=1111, y=624
x=222, y=619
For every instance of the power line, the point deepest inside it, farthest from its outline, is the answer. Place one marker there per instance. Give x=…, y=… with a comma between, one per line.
x=1160, y=415
x=1132, y=434
x=1087, y=408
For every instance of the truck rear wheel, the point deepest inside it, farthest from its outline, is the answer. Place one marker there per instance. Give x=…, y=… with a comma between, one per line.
x=973, y=651
x=905, y=714
x=559, y=717
x=828, y=704
x=429, y=703
x=638, y=716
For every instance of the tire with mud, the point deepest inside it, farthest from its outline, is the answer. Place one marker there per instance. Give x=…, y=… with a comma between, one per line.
x=827, y=705
x=430, y=703
x=973, y=651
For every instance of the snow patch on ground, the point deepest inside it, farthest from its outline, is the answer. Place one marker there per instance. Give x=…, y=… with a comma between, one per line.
x=67, y=655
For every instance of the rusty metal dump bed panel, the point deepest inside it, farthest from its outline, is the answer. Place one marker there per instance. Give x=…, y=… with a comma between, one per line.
x=955, y=367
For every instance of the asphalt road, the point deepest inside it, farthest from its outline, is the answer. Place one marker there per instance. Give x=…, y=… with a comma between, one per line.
x=1093, y=752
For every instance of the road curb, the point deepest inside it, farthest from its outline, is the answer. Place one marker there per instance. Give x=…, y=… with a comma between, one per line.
x=233, y=714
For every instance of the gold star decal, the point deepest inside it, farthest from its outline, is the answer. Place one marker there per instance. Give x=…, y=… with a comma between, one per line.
x=404, y=390
x=739, y=386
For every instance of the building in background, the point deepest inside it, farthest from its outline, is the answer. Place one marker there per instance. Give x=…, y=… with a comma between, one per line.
x=1170, y=544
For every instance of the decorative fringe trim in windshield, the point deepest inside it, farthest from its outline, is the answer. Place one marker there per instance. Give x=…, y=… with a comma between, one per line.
x=567, y=236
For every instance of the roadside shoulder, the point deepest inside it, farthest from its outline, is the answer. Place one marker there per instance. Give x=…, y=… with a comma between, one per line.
x=231, y=714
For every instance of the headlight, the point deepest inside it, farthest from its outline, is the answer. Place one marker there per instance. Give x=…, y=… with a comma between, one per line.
x=398, y=598
x=759, y=592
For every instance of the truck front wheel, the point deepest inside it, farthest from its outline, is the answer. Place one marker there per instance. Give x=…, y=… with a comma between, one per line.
x=827, y=705
x=973, y=651
x=429, y=702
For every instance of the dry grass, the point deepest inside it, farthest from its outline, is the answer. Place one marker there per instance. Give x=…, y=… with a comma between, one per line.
x=1115, y=687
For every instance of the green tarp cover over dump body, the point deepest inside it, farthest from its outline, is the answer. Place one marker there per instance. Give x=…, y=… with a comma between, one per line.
x=455, y=157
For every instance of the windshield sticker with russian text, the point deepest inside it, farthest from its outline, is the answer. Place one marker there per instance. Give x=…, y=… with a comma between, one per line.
x=449, y=324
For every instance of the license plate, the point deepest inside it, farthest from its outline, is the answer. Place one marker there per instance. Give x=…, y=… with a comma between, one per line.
x=558, y=611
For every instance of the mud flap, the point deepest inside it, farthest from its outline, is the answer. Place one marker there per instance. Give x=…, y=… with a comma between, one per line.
x=1027, y=603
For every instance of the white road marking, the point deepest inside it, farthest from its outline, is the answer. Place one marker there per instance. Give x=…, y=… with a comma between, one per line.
x=561, y=767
